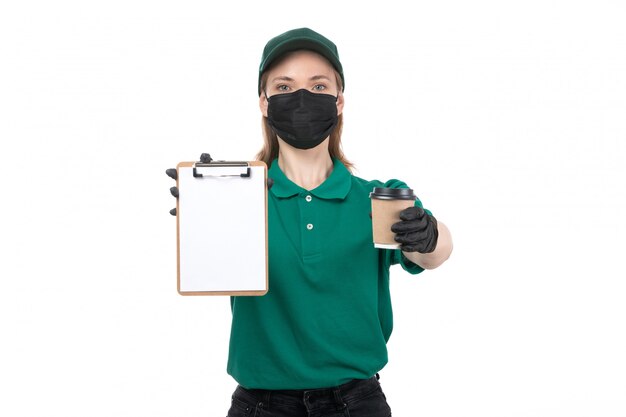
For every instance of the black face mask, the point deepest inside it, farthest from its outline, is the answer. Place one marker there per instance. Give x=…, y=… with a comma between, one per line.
x=302, y=119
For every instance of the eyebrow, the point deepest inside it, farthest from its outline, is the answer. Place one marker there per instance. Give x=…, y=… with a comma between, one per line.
x=319, y=77
x=282, y=78
x=313, y=78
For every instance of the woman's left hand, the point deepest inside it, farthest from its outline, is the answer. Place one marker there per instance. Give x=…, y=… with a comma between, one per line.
x=417, y=232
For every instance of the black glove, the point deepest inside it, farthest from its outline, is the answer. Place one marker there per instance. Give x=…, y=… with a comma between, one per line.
x=205, y=158
x=172, y=173
x=417, y=232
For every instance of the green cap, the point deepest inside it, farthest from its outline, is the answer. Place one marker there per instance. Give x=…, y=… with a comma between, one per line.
x=293, y=40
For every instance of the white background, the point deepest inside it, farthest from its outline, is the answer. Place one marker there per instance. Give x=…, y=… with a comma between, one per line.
x=506, y=117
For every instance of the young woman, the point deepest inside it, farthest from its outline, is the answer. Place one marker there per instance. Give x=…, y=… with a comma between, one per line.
x=314, y=344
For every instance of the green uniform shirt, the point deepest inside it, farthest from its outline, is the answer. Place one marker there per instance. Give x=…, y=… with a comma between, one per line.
x=327, y=316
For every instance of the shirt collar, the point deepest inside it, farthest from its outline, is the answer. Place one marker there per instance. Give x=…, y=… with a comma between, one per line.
x=336, y=186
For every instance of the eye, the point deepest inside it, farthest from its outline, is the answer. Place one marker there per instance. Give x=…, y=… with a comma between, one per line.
x=282, y=87
x=319, y=87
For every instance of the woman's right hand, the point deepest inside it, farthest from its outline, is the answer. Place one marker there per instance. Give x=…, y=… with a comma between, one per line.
x=204, y=158
x=172, y=173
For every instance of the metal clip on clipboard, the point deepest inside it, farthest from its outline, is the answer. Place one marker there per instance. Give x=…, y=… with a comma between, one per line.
x=207, y=161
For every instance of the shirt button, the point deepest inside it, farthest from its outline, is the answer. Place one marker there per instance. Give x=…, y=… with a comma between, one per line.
x=308, y=198
x=309, y=226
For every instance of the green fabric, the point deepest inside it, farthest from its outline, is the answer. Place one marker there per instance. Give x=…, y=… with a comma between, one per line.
x=327, y=316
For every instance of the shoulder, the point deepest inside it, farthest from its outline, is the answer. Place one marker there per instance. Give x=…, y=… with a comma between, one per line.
x=361, y=183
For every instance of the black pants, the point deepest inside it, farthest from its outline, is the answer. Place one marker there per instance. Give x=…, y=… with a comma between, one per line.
x=357, y=398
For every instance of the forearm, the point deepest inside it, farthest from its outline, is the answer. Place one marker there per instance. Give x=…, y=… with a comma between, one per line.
x=439, y=255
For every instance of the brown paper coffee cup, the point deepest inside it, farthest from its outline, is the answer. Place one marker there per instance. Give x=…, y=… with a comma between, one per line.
x=387, y=203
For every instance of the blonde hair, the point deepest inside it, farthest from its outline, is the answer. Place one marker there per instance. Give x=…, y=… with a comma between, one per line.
x=269, y=152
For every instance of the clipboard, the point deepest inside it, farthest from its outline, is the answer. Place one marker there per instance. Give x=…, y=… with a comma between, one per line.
x=221, y=227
